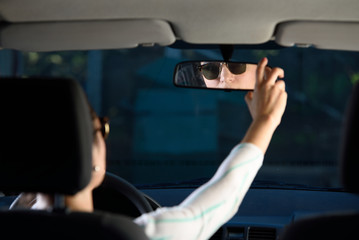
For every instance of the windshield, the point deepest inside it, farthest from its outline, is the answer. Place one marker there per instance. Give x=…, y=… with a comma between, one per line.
x=163, y=134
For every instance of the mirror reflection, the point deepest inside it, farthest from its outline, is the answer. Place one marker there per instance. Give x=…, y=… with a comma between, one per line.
x=216, y=74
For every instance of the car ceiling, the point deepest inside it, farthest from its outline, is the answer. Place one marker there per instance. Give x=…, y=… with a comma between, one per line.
x=92, y=24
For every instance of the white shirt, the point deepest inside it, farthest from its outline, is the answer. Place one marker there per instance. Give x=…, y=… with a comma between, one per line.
x=201, y=214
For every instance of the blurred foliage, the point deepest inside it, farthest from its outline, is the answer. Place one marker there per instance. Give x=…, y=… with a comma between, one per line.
x=259, y=54
x=72, y=64
x=354, y=78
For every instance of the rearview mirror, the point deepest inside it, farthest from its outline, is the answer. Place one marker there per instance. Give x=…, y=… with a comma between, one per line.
x=216, y=75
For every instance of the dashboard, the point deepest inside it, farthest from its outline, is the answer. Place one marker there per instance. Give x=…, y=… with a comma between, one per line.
x=264, y=213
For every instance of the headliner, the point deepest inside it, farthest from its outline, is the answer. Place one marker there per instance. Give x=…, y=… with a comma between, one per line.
x=203, y=21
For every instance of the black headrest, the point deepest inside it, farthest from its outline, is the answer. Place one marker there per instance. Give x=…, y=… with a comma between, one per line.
x=349, y=152
x=46, y=133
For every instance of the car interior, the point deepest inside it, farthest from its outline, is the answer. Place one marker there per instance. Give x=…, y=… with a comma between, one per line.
x=132, y=61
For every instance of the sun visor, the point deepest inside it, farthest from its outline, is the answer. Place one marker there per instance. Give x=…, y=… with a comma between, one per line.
x=324, y=35
x=86, y=35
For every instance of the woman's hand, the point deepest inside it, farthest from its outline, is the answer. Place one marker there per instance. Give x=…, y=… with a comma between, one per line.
x=266, y=104
x=268, y=100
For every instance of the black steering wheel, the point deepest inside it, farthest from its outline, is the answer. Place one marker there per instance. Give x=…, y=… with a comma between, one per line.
x=117, y=195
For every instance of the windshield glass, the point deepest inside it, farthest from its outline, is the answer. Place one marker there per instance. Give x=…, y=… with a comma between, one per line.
x=162, y=134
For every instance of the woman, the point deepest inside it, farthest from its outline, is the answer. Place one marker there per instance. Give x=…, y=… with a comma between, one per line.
x=213, y=204
x=228, y=75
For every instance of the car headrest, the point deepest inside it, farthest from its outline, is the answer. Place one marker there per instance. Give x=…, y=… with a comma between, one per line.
x=46, y=133
x=349, y=151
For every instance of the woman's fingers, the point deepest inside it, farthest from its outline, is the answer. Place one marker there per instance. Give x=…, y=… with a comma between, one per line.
x=266, y=74
x=261, y=70
x=274, y=75
x=249, y=96
x=269, y=95
x=280, y=84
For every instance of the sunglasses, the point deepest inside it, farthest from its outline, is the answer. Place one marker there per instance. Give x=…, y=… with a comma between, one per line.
x=105, y=127
x=211, y=71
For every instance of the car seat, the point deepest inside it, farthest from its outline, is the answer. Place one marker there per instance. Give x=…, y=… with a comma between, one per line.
x=46, y=147
x=340, y=225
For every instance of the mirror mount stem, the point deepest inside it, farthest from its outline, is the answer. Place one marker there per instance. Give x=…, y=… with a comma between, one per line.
x=227, y=51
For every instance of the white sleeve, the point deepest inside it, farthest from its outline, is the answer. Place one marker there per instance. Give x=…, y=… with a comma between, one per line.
x=201, y=214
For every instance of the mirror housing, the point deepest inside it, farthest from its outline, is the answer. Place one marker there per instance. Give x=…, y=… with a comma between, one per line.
x=215, y=75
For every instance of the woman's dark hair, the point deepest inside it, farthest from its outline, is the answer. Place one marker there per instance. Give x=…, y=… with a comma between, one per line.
x=93, y=117
x=198, y=75
x=92, y=112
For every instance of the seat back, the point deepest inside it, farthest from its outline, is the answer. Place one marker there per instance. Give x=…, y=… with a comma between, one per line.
x=47, y=133
x=339, y=225
x=328, y=227
x=47, y=144
x=22, y=224
x=349, y=154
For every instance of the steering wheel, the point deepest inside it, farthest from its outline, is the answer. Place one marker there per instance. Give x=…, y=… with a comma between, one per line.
x=117, y=195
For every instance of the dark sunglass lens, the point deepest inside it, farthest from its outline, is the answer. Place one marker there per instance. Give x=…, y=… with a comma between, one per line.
x=237, y=68
x=210, y=70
